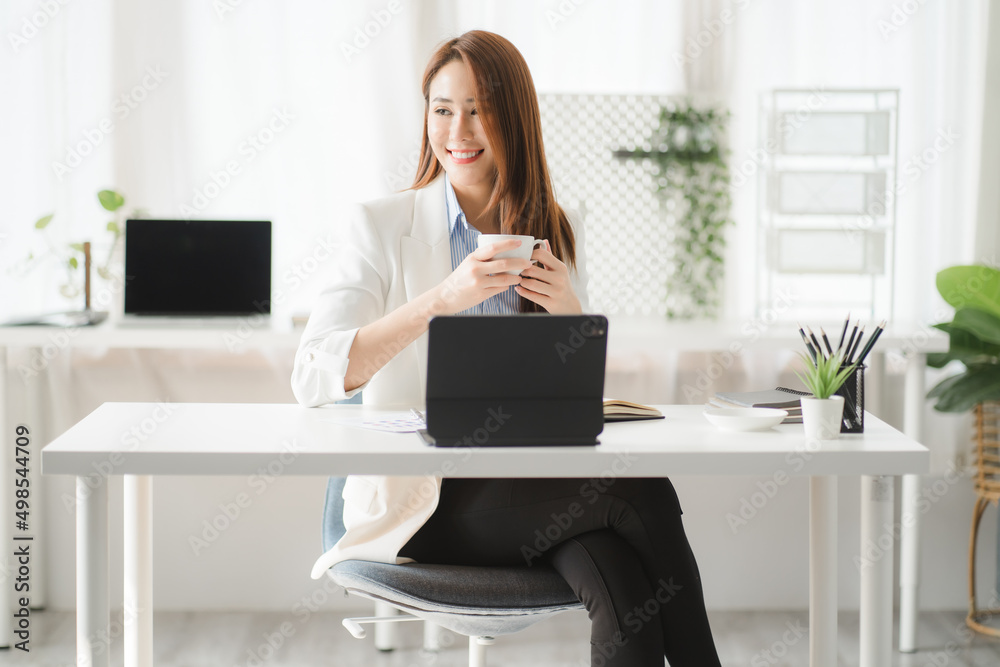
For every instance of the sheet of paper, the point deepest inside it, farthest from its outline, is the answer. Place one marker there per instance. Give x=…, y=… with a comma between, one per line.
x=393, y=422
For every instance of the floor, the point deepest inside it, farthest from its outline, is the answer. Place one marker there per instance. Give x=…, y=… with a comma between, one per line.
x=245, y=639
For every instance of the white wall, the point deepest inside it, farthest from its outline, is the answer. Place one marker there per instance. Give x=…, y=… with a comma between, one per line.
x=262, y=561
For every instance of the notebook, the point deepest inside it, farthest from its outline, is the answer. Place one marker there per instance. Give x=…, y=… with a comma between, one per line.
x=503, y=380
x=781, y=398
x=619, y=410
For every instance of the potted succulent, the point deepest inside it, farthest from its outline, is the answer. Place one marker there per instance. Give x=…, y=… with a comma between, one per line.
x=823, y=412
x=974, y=338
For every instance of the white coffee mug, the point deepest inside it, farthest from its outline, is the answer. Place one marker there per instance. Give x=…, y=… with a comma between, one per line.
x=528, y=245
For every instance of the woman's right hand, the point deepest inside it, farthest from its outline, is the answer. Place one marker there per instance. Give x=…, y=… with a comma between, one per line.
x=479, y=277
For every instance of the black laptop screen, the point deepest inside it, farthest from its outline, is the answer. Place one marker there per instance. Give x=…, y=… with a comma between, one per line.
x=197, y=267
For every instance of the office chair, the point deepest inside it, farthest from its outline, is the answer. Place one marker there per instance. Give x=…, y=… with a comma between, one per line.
x=479, y=602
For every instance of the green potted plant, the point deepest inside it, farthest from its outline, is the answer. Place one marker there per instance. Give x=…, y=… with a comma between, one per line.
x=823, y=412
x=974, y=338
x=687, y=147
x=71, y=255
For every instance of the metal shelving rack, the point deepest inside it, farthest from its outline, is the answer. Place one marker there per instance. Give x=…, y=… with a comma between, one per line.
x=826, y=205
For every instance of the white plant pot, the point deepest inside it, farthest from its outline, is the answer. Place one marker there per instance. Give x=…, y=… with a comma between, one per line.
x=822, y=417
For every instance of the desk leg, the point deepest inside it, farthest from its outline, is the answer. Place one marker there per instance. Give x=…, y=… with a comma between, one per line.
x=92, y=613
x=877, y=537
x=823, y=571
x=138, y=607
x=909, y=538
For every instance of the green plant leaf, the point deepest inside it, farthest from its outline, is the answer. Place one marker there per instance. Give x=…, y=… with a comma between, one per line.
x=73, y=263
x=826, y=375
x=982, y=324
x=76, y=246
x=962, y=392
x=975, y=286
x=110, y=200
x=964, y=346
x=944, y=386
x=44, y=221
x=113, y=227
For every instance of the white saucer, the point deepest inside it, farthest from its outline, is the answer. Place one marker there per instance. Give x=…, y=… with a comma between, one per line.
x=744, y=419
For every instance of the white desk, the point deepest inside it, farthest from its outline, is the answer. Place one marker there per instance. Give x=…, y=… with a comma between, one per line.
x=237, y=439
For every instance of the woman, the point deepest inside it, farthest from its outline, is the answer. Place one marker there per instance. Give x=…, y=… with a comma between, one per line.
x=414, y=255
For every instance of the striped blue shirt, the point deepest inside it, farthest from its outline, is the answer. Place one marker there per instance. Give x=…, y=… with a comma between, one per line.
x=465, y=239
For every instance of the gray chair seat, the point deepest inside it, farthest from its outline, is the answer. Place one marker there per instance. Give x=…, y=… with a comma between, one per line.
x=469, y=600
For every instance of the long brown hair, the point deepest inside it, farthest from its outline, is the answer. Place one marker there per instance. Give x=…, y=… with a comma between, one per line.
x=508, y=106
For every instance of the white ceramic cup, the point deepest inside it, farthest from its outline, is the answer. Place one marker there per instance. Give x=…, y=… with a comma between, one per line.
x=528, y=245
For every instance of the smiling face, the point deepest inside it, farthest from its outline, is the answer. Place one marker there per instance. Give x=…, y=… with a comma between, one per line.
x=455, y=130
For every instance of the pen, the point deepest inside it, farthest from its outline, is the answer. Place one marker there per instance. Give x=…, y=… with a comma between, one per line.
x=844, y=332
x=857, y=344
x=812, y=352
x=871, y=342
x=850, y=341
x=815, y=341
x=416, y=413
x=826, y=341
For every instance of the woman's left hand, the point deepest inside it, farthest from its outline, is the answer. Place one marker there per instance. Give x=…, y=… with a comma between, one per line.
x=548, y=284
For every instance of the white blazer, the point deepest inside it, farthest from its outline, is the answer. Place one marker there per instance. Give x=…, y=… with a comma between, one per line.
x=389, y=251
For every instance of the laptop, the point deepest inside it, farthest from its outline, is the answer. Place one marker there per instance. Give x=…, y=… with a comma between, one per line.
x=196, y=272
x=515, y=380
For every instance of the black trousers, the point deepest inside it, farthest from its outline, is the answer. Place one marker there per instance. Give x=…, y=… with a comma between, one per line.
x=618, y=542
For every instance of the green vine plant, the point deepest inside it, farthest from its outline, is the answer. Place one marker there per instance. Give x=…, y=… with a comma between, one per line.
x=688, y=150
x=71, y=255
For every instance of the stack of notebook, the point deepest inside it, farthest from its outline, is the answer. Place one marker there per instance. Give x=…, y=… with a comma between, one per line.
x=779, y=397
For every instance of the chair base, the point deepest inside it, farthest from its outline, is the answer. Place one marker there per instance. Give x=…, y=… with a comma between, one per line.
x=477, y=644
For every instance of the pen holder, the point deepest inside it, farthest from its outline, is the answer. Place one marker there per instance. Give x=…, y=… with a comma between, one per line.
x=853, y=391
